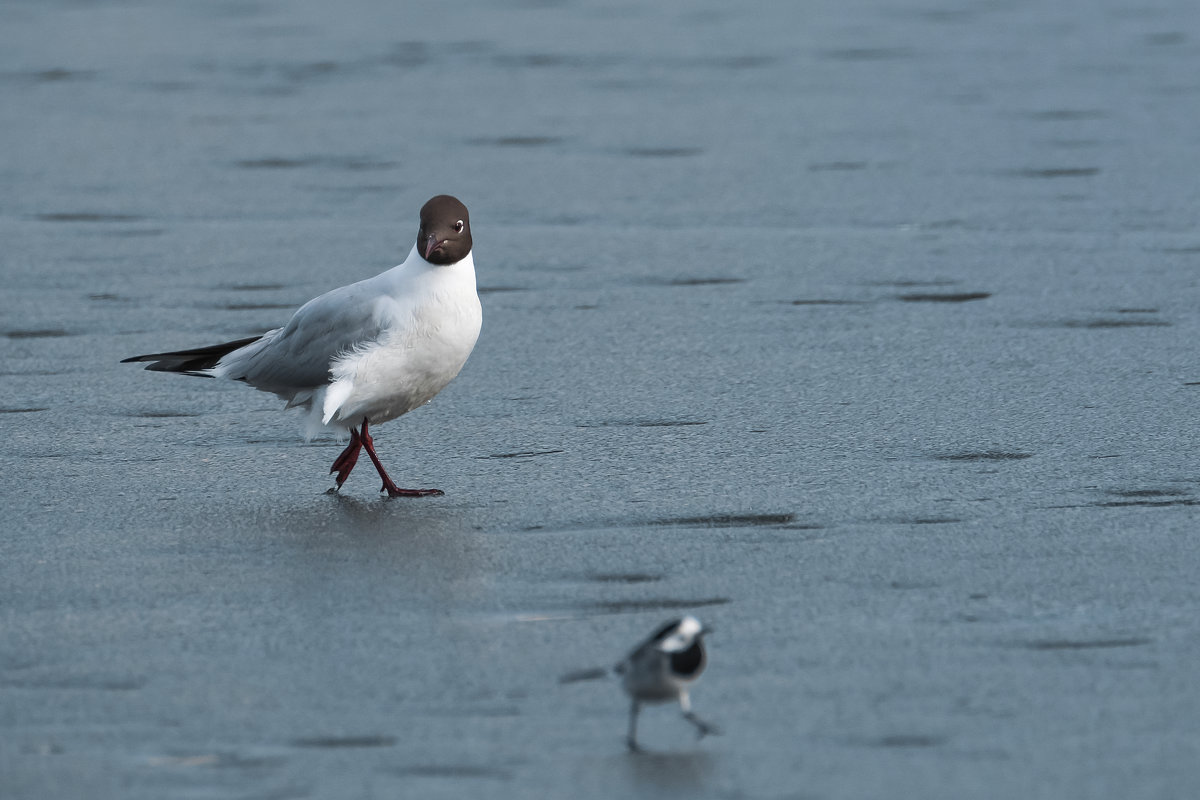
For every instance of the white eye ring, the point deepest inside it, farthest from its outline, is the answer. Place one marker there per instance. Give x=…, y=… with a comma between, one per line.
x=458, y=226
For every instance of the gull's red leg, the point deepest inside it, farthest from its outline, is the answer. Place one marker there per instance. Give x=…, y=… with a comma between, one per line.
x=388, y=486
x=349, y=457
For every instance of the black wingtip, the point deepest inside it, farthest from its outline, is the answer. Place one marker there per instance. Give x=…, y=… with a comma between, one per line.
x=191, y=362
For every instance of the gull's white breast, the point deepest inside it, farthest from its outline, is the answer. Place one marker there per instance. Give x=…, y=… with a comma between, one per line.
x=429, y=321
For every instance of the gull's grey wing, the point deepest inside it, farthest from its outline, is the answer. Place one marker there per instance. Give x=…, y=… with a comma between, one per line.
x=298, y=355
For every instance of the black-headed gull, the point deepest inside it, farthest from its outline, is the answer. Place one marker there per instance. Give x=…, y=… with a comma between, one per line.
x=662, y=668
x=368, y=352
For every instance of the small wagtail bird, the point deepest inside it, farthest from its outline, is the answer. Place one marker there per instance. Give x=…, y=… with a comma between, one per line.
x=662, y=668
x=365, y=353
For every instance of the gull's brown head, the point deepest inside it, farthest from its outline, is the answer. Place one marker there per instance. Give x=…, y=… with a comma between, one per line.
x=445, y=234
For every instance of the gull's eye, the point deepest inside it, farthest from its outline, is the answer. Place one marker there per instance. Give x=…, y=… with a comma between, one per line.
x=458, y=226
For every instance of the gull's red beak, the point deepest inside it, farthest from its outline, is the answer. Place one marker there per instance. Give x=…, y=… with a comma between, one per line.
x=431, y=244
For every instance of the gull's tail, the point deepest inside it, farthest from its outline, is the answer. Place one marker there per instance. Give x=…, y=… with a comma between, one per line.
x=191, y=362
